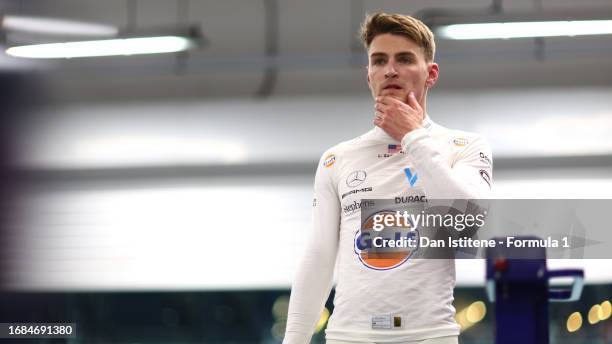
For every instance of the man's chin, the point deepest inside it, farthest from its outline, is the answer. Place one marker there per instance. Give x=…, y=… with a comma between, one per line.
x=397, y=94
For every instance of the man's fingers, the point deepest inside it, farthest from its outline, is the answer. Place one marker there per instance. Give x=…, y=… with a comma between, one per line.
x=382, y=100
x=386, y=100
x=389, y=102
x=381, y=107
x=378, y=118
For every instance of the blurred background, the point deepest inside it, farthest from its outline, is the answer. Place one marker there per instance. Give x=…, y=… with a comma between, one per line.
x=126, y=178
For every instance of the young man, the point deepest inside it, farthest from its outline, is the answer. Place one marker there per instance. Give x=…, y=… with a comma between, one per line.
x=405, y=153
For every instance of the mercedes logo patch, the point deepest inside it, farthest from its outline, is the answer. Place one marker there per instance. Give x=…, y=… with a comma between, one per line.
x=355, y=178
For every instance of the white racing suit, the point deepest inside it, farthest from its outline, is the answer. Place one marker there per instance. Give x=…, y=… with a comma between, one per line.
x=413, y=300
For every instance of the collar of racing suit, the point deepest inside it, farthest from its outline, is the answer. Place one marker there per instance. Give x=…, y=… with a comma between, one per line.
x=380, y=133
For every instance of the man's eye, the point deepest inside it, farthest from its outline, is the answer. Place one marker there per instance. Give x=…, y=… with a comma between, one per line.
x=378, y=61
x=405, y=59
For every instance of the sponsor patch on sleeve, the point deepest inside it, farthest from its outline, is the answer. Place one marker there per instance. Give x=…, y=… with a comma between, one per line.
x=329, y=160
x=485, y=175
x=460, y=141
x=484, y=158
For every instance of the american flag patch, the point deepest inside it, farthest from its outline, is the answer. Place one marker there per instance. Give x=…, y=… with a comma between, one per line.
x=394, y=149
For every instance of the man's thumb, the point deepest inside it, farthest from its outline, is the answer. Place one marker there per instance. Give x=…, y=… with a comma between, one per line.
x=412, y=101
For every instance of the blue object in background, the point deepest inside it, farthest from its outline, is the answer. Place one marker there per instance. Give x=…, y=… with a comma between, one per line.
x=518, y=283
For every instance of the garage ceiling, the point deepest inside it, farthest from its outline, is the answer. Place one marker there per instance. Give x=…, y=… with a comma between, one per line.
x=316, y=49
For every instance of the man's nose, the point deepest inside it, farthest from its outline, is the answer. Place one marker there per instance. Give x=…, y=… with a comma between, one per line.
x=390, y=72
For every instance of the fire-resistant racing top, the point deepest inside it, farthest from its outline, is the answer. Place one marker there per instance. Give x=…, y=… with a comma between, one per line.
x=408, y=301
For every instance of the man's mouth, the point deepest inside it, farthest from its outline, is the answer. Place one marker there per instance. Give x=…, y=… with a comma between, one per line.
x=392, y=87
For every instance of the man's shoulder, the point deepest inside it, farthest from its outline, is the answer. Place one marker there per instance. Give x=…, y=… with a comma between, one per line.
x=458, y=138
x=344, y=147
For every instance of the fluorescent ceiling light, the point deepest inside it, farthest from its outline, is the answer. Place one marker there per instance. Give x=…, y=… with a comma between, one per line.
x=109, y=47
x=526, y=29
x=49, y=26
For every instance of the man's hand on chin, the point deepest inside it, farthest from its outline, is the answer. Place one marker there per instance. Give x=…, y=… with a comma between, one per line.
x=396, y=117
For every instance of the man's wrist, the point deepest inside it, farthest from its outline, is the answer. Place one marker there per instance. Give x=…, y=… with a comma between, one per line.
x=413, y=136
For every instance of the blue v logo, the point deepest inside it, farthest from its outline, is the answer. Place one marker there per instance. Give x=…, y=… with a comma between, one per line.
x=411, y=178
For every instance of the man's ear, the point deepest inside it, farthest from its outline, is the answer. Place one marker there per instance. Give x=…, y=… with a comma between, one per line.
x=433, y=71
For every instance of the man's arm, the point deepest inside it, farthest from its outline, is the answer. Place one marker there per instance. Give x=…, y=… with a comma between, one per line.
x=314, y=277
x=470, y=177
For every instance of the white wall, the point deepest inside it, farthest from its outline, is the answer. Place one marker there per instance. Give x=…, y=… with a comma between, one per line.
x=174, y=233
x=523, y=122
x=211, y=233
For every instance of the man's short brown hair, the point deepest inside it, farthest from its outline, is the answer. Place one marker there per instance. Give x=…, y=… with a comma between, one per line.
x=397, y=24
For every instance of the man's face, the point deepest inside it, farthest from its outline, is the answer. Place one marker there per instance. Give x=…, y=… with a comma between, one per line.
x=396, y=66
